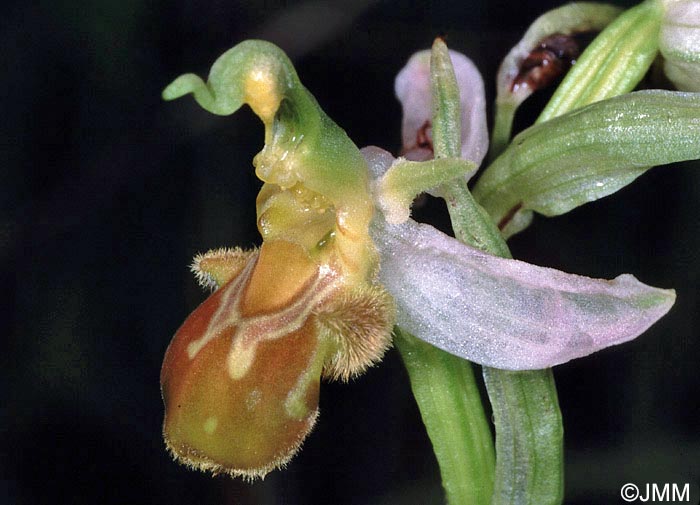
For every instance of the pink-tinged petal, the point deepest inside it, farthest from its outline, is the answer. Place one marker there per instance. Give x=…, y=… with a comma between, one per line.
x=679, y=43
x=500, y=312
x=506, y=313
x=412, y=87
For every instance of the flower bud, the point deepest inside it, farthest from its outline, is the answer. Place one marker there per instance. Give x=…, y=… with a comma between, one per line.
x=680, y=44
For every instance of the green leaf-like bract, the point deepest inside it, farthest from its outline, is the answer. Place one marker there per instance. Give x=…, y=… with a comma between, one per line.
x=587, y=154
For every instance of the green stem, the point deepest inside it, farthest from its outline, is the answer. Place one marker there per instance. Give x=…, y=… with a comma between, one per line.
x=529, y=428
x=529, y=437
x=445, y=390
x=526, y=415
x=443, y=385
x=502, y=127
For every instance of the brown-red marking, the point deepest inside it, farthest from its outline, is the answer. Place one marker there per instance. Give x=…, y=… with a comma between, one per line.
x=509, y=215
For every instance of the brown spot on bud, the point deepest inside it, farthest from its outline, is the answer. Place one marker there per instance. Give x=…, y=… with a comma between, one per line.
x=509, y=215
x=423, y=138
x=548, y=61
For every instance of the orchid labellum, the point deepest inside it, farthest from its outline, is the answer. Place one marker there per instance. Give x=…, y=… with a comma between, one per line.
x=341, y=262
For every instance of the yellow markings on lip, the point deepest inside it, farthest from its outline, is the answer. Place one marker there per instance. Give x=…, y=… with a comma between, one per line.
x=253, y=399
x=263, y=303
x=241, y=377
x=225, y=315
x=210, y=425
x=295, y=405
x=240, y=359
x=259, y=328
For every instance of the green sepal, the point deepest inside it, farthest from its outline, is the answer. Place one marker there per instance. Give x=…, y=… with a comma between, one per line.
x=447, y=120
x=589, y=153
x=469, y=220
x=434, y=373
x=444, y=385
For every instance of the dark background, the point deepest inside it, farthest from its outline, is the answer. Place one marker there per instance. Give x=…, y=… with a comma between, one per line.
x=108, y=192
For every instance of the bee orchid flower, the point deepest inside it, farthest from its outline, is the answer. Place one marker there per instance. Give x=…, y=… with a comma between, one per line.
x=341, y=262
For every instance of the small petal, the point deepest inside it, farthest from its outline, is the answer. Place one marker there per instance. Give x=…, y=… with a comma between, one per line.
x=506, y=313
x=396, y=189
x=216, y=267
x=412, y=87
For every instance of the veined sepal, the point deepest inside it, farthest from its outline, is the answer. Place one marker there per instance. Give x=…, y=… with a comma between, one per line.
x=500, y=312
x=613, y=64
